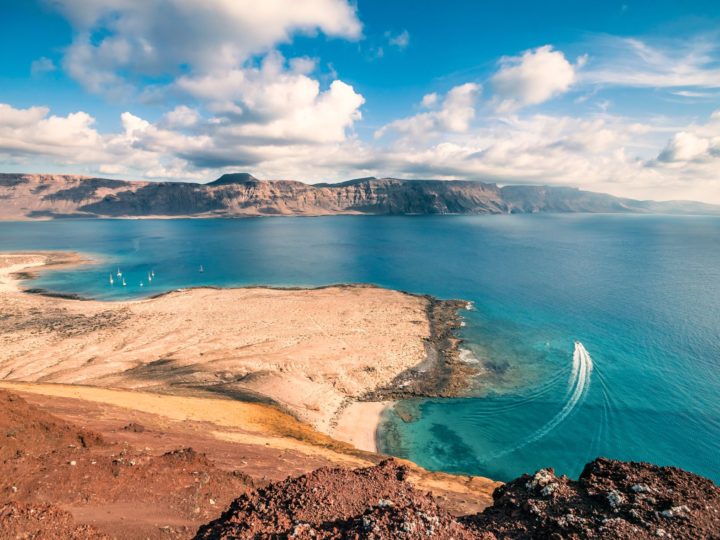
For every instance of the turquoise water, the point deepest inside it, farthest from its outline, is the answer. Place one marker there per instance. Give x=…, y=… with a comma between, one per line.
x=642, y=294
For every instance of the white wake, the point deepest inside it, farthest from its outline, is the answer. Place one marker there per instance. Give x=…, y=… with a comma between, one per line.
x=578, y=385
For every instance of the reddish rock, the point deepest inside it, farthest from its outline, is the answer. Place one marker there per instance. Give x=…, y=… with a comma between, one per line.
x=611, y=500
x=30, y=521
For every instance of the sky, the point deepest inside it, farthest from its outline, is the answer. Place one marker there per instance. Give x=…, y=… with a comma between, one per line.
x=618, y=97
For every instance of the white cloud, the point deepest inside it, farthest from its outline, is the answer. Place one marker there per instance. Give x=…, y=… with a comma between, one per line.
x=27, y=132
x=685, y=146
x=41, y=66
x=401, y=40
x=243, y=105
x=454, y=114
x=163, y=37
x=429, y=100
x=532, y=78
x=181, y=117
x=277, y=105
x=303, y=65
x=697, y=143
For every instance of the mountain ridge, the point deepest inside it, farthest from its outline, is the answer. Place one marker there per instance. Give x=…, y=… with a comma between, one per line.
x=47, y=196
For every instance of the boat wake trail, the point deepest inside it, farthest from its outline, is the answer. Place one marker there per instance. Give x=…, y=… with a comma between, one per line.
x=578, y=385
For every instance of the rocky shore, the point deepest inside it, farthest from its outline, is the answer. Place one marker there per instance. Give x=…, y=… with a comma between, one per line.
x=443, y=373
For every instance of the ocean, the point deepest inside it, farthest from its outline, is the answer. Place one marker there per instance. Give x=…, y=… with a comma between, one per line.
x=641, y=295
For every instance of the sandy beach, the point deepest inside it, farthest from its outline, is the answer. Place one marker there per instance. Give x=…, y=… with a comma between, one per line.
x=357, y=424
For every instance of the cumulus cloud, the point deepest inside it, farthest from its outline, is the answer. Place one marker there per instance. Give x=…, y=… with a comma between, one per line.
x=684, y=146
x=532, y=78
x=238, y=103
x=697, y=143
x=164, y=37
x=33, y=131
x=273, y=104
x=218, y=57
x=453, y=115
x=181, y=117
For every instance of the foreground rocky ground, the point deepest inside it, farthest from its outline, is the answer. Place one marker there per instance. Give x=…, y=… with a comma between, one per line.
x=612, y=499
x=61, y=481
x=82, y=461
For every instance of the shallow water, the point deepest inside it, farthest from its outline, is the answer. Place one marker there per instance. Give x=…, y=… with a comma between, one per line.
x=641, y=293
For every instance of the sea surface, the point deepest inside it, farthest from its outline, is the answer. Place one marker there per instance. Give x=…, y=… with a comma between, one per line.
x=640, y=293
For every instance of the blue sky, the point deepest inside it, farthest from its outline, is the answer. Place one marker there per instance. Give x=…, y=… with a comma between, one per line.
x=611, y=96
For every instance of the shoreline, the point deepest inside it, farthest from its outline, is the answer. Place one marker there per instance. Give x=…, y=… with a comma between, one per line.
x=28, y=264
x=358, y=424
x=353, y=416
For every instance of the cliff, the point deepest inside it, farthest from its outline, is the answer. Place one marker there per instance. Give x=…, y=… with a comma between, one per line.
x=38, y=196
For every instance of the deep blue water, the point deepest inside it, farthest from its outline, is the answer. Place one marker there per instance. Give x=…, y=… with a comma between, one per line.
x=642, y=293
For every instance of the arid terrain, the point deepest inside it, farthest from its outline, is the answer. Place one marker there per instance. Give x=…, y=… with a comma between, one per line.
x=136, y=478
x=310, y=352
x=136, y=465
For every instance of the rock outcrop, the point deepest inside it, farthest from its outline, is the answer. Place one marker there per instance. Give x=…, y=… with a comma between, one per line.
x=611, y=500
x=37, y=196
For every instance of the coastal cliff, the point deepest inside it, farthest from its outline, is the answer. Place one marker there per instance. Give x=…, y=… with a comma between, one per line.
x=40, y=196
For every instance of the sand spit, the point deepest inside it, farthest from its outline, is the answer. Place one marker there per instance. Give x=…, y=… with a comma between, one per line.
x=17, y=266
x=309, y=351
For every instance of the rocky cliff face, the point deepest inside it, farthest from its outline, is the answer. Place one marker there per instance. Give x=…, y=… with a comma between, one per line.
x=26, y=196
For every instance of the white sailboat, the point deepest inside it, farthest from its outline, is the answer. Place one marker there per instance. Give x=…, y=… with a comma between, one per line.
x=124, y=284
x=142, y=284
x=111, y=280
x=149, y=277
x=119, y=273
x=202, y=269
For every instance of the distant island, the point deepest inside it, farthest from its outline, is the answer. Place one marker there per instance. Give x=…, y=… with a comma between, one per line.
x=51, y=196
